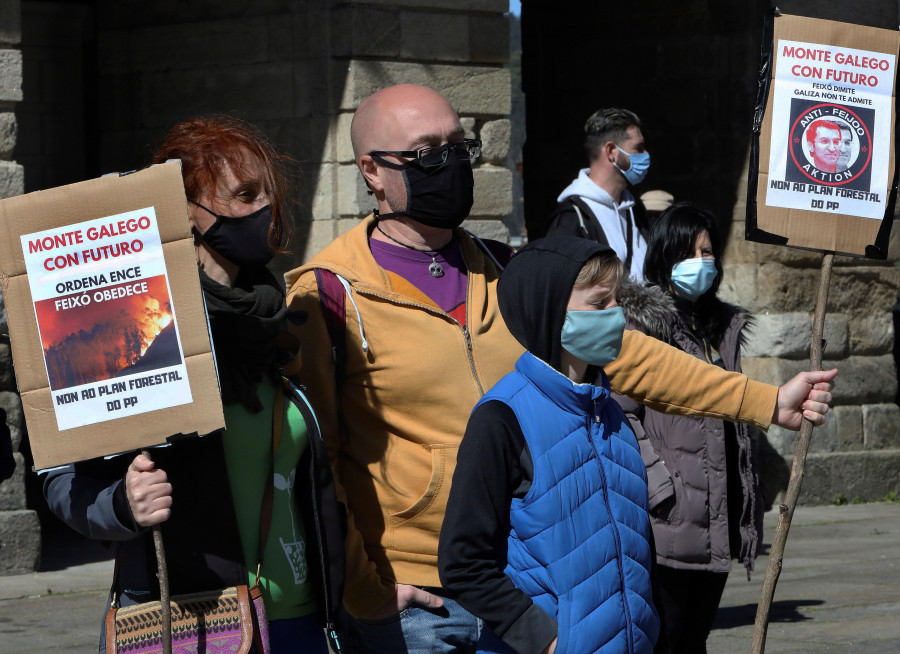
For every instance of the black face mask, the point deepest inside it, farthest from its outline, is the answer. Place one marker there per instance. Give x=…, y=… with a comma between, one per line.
x=243, y=240
x=438, y=195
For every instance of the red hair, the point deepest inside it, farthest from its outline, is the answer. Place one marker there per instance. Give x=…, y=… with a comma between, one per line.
x=204, y=145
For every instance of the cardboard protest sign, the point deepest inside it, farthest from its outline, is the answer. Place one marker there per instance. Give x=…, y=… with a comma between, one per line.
x=823, y=174
x=109, y=335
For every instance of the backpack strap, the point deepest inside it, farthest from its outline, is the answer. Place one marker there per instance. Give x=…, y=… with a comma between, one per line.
x=580, y=218
x=332, y=300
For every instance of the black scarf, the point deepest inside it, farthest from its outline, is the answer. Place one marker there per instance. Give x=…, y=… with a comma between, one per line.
x=245, y=321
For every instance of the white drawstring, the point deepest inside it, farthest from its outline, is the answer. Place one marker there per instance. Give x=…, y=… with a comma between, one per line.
x=349, y=290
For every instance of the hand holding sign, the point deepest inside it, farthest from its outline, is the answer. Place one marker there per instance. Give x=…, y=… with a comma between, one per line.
x=148, y=491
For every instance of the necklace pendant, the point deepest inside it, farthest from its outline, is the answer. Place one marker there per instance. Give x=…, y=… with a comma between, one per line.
x=435, y=269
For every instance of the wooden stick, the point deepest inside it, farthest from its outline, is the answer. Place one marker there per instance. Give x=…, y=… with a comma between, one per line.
x=786, y=510
x=162, y=574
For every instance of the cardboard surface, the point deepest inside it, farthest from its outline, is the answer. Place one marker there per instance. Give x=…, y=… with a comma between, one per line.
x=844, y=75
x=109, y=341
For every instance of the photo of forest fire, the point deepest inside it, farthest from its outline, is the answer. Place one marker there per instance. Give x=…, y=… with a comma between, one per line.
x=110, y=336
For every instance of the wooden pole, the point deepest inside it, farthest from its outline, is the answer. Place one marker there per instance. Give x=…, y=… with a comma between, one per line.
x=786, y=510
x=162, y=573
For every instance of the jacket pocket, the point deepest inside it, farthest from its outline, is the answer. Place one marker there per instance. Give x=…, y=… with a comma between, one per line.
x=429, y=507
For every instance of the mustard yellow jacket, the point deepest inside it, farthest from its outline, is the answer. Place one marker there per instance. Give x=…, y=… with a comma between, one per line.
x=413, y=374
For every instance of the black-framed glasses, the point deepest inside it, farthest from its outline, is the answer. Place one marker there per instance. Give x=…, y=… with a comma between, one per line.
x=434, y=156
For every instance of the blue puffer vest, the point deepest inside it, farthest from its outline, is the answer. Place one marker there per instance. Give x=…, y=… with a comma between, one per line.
x=578, y=542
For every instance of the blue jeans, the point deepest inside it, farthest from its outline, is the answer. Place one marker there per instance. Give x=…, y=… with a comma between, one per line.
x=416, y=630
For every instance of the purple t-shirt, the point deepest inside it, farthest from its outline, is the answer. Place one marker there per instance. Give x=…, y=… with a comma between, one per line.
x=448, y=292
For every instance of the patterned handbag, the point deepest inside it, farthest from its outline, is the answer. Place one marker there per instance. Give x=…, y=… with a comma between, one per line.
x=230, y=620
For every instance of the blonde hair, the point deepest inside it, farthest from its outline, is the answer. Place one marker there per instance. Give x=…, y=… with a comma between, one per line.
x=604, y=268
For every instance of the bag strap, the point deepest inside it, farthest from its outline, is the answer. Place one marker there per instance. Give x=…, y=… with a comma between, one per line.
x=265, y=512
x=332, y=298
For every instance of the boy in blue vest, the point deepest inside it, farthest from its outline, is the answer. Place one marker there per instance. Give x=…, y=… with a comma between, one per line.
x=546, y=531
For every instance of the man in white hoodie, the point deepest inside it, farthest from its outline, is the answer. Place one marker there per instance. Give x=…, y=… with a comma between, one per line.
x=598, y=205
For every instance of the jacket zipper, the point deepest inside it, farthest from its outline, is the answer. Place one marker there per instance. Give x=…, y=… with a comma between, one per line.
x=615, y=530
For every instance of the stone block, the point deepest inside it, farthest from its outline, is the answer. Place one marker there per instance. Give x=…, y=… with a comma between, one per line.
x=781, y=289
x=4, y=328
x=140, y=14
x=472, y=90
x=863, y=290
x=788, y=335
x=12, y=491
x=341, y=136
x=353, y=198
x=323, y=194
x=10, y=75
x=771, y=370
x=881, y=426
x=434, y=36
x=468, y=125
x=493, y=192
x=738, y=249
x=311, y=92
x=257, y=90
x=894, y=243
x=10, y=22
x=864, y=380
x=7, y=134
x=20, y=542
x=864, y=475
x=362, y=31
x=497, y=6
x=493, y=229
x=488, y=38
x=12, y=179
x=789, y=256
x=15, y=420
x=280, y=31
x=312, y=237
x=842, y=431
x=495, y=136
x=309, y=28
x=209, y=44
x=873, y=334
x=7, y=373
x=739, y=286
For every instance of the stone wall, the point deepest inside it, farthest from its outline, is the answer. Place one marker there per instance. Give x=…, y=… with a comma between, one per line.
x=856, y=454
x=298, y=70
x=20, y=535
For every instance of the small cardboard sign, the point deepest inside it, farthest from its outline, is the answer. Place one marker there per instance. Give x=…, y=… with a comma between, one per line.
x=109, y=335
x=823, y=174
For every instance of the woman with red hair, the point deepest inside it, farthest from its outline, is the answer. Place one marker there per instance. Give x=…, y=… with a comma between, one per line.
x=208, y=493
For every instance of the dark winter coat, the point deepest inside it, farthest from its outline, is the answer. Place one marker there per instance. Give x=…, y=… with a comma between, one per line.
x=706, y=506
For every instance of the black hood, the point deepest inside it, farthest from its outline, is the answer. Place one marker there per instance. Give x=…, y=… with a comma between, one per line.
x=534, y=290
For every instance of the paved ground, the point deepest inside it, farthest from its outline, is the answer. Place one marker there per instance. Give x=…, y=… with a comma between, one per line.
x=839, y=591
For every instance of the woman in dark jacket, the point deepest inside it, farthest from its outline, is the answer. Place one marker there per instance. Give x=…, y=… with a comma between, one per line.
x=207, y=492
x=704, y=494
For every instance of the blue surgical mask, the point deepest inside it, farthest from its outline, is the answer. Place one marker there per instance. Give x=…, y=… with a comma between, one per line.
x=637, y=171
x=595, y=337
x=691, y=278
